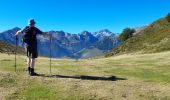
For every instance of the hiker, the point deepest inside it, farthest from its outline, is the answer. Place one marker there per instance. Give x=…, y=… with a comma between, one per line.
x=30, y=40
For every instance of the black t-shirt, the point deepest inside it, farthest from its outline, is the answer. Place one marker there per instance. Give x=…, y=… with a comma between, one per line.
x=34, y=32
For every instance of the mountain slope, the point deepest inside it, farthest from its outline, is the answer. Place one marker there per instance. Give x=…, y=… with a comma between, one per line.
x=154, y=38
x=106, y=41
x=100, y=47
x=10, y=49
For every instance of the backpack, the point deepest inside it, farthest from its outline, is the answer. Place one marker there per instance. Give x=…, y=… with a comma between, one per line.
x=29, y=37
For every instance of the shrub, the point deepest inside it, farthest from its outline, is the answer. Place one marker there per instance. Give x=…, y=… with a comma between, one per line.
x=168, y=17
x=126, y=34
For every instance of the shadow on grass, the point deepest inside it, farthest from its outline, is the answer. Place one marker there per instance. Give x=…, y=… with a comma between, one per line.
x=82, y=77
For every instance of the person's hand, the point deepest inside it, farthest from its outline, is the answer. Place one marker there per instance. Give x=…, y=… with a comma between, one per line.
x=17, y=33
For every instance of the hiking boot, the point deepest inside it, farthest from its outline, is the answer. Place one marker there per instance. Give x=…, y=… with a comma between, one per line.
x=32, y=73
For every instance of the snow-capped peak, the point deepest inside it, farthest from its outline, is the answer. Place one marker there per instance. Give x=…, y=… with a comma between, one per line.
x=103, y=33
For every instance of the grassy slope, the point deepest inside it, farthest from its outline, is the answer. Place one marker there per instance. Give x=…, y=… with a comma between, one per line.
x=10, y=49
x=147, y=78
x=155, y=38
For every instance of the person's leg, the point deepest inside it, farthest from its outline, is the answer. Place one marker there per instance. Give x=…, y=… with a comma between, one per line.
x=32, y=62
x=34, y=54
x=32, y=67
x=28, y=64
x=27, y=48
x=28, y=61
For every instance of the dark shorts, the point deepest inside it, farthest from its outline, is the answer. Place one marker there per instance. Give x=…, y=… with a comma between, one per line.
x=32, y=51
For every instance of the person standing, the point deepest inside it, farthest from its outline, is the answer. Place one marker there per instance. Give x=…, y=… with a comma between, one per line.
x=30, y=33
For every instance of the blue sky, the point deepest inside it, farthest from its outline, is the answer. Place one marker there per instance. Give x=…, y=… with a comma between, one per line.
x=74, y=16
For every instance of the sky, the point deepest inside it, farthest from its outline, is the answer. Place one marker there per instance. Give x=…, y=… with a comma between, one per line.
x=75, y=16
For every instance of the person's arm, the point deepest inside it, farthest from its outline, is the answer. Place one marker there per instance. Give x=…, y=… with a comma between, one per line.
x=46, y=34
x=18, y=32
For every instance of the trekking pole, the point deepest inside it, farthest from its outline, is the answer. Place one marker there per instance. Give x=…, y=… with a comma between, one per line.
x=16, y=44
x=50, y=53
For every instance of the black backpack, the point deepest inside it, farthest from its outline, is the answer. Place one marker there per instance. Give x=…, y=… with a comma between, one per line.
x=29, y=37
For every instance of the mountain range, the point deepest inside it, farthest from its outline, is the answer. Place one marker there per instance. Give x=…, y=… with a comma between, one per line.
x=66, y=45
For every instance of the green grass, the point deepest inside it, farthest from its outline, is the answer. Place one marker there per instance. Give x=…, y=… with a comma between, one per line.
x=146, y=77
x=8, y=81
x=40, y=92
x=144, y=74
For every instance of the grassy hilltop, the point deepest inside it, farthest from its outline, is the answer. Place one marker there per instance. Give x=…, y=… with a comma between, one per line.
x=154, y=38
